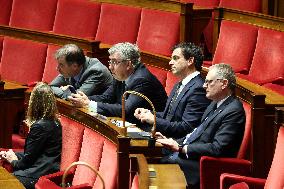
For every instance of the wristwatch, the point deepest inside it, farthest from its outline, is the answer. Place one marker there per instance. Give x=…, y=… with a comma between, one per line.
x=180, y=147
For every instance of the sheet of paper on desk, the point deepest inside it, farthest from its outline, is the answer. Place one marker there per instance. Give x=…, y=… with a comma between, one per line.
x=133, y=129
x=119, y=123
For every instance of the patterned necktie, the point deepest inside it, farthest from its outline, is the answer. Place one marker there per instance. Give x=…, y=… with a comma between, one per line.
x=173, y=100
x=196, y=132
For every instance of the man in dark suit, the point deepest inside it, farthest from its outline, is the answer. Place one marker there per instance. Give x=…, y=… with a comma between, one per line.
x=130, y=74
x=187, y=101
x=84, y=74
x=220, y=132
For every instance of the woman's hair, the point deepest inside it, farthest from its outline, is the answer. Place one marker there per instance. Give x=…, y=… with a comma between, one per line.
x=42, y=104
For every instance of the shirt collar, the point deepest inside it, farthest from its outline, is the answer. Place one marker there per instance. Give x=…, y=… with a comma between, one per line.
x=189, y=77
x=221, y=101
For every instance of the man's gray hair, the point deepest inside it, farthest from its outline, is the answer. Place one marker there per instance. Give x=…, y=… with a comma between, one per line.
x=225, y=71
x=72, y=54
x=127, y=51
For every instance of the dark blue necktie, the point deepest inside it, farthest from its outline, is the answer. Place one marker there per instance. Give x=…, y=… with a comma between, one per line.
x=195, y=133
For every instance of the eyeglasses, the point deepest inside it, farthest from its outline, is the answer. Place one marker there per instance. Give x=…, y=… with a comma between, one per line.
x=209, y=81
x=115, y=62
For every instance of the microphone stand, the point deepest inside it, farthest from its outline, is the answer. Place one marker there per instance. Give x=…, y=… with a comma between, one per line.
x=151, y=141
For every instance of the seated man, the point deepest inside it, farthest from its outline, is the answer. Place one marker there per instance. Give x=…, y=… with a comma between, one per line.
x=187, y=101
x=130, y=74
x=220, y=132
x=84, y=74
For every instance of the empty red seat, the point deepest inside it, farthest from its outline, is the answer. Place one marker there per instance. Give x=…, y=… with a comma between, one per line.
x=33, y=14
x=22, y=60
x=5, y=11
x=268, y=60
x=50, y=71
x=252, y=5
x=78, y=18
x=236, y=45
x=118, y=24
x=159, y=31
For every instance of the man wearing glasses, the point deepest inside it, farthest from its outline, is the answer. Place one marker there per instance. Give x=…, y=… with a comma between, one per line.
x=79, y=73
x=220, y=132
x=129, y=74
x=187, y=101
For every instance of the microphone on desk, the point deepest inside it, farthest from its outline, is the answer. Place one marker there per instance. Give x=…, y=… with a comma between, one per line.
x=151, y=141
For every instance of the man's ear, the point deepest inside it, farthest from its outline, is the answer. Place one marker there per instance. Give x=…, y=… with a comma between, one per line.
x=190, y=61
x=225, y=83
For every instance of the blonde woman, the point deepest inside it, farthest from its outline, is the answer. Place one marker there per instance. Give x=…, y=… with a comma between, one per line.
x=42, y=150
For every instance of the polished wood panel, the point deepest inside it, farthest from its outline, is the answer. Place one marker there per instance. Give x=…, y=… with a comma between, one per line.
x=11, y=111
x=8, y=181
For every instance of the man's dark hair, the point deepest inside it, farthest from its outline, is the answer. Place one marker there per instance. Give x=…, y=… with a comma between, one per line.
x=191, y=50
x=72, y=54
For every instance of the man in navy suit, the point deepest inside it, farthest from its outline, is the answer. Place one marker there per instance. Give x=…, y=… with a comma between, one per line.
x=130, y=74
x=220, y=132
x=187, y=101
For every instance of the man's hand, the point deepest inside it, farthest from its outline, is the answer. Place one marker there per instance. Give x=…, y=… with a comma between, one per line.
x=9, y=155
x=169, y=143
x=79, y=99
x=64, y=88
x=144, y=115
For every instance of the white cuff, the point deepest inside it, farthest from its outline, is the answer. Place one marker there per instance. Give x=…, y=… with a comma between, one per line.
x=93, y=106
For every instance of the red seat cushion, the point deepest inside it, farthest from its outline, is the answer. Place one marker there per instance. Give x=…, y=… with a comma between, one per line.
x=5, y=11
x=50, y=71
x=268, y=63
x=22, y=60
x=18, y=142
x=72, y=137
x=118, y=24
x=33, y=14
x=78, y=18
x=158, y=32
x=236, y=45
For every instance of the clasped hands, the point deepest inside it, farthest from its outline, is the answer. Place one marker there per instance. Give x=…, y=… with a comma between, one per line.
x=79, y=99
x=8, y=155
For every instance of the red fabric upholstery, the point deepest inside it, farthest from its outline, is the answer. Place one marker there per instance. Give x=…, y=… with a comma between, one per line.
x=275, y=177
x=118, y=24
x=5, y=11
x=1, y=48
x=230, y=181
x=108, y=166
x=18, y=141
x=50, y=71
x=236, y=45
x=91, y=152
x=30, y=56
x=135, y=182
x=275, y=87
x=72, y=137
x=24, y=15
x=158, y=31
x=268, y=61
x=78, y=18
x=211, y=168
x=170, y=82
x=252, y=5
x=159, y=73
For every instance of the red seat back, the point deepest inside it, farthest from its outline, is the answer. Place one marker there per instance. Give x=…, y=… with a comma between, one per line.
x=244, y=148
x=275, y=177
x=78, y=18
x=72, y=137
x=22, y=60
x=33, y=14
x=5, y=11
x=160, y=74
x=159, y=31
x=275, y=87
x=236, y=45
x=118, y=24
x=50, y=71
x=170, y=82
x=268, y=61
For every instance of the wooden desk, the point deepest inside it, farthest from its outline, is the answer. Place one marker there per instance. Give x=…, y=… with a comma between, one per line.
x=12, y=108
x=8, y=181
x=167, y=176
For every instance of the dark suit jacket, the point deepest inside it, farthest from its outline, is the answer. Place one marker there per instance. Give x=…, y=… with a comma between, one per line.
x=221, y=137
x=42, y=151
x=95, y=79
x=142, y=81
x=187, y=109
